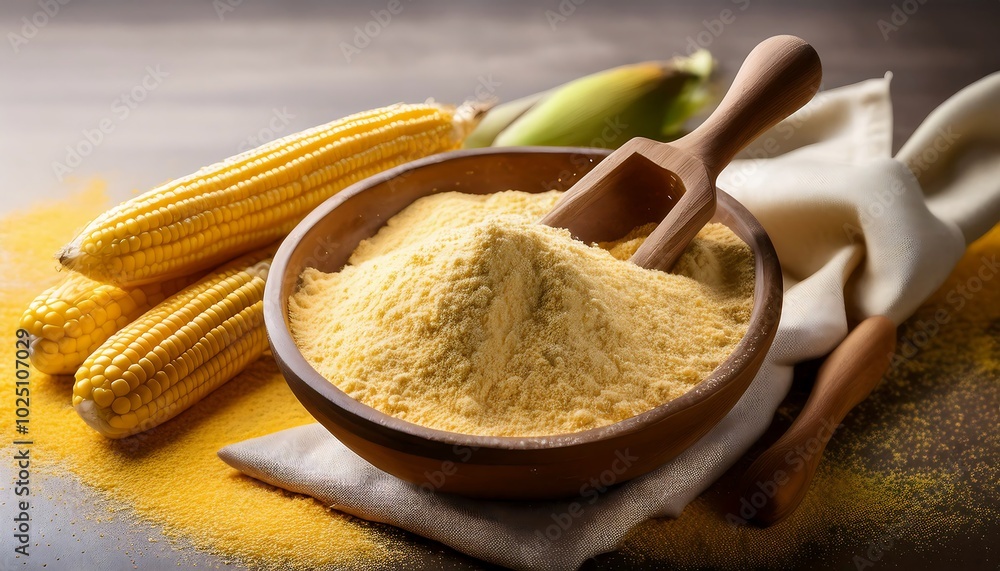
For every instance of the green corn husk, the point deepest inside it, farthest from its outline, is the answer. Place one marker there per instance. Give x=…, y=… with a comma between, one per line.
x=499, y=118
x=605, y=109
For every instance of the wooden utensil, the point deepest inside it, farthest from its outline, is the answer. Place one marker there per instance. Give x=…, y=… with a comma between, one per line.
x=778, y=480
x=490, y=466
x=778, y=77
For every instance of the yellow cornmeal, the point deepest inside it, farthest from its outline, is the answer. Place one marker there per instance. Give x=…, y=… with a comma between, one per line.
x=942, y=403
x=465, y=315
x=169, y=477
x=912, y=471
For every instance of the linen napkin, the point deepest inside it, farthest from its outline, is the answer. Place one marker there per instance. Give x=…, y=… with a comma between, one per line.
x=858, y=233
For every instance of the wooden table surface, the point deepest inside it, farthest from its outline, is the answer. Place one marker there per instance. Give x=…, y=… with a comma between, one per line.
x=217, y=81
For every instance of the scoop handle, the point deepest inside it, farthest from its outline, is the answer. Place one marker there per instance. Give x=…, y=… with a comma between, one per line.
x=779, y=76
x=778, y=480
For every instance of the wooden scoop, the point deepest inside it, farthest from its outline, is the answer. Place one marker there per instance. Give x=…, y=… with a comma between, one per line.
x=778, y=77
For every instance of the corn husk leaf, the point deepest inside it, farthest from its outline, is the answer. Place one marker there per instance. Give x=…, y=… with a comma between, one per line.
x=605, y=109
x=499, y=118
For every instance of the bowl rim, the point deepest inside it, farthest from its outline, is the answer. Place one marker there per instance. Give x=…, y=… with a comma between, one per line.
x=763, y=322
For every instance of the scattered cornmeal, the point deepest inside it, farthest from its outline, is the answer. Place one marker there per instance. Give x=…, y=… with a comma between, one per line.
x=908, y=482
x=170, y=477
x=482, y=321
x=910, y=478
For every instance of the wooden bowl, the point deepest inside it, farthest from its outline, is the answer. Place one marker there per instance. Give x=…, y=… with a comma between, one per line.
x=505, y=467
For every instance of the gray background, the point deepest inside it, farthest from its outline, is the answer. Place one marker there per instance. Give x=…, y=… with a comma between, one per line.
x=232, y=77
x=228, y=75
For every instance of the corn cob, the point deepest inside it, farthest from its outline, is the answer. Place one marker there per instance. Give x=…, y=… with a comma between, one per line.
x=254, y=198
x=177, y=352
x=649, y=99
x=70, y=321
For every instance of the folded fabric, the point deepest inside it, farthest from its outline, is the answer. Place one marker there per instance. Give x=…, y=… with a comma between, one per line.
x=858, y=233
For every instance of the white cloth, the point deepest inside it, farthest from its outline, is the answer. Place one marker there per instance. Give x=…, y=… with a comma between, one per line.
x=856, y=237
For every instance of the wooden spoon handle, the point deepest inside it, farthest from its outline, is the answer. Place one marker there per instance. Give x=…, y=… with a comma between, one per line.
x=778, y=480
x=778, y=77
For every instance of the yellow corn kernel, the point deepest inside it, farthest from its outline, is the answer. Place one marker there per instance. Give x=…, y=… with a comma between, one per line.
x=70, y=321
x=254, y=198
x=177, y=352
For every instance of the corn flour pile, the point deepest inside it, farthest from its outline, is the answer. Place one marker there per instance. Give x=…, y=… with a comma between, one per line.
x=464, y=314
